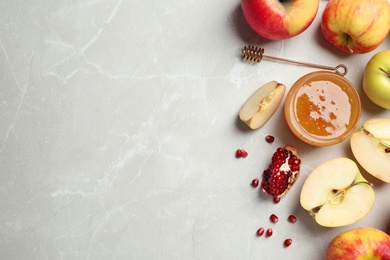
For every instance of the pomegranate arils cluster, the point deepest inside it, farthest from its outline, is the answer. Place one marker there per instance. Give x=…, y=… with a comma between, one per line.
x=241, y=153
x=269, y=232
x=282, y=173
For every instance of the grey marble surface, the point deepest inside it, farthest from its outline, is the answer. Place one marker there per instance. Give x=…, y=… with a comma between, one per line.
x=119, y=127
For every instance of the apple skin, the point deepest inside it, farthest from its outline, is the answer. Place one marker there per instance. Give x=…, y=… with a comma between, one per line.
x=376, y=81
x=359, y=243
x=356, y=26
x=277, y=20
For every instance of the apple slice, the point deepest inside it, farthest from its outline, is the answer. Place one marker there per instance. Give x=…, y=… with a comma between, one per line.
x=371, y=147
x=259, y=108
x=336, y=194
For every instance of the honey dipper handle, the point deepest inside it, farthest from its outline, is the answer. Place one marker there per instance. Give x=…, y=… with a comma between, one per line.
x=340, y=69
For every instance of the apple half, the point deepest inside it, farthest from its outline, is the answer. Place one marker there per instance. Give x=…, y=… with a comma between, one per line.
x=336, y=194
x=259, y=108
x=371, y=147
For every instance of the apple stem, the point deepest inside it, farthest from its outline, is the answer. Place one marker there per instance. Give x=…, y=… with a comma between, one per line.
x=386, y=72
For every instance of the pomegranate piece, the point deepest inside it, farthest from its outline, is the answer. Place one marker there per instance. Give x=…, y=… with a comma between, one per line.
x=255, y=182
x=274, y=218
x=287, y=242
x=282, y=172
x=260, y=232
x=269, y=139
x=269, y=232
x=292, y=218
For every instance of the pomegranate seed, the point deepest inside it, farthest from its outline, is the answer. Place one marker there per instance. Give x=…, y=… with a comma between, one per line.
x=241, y=153
x=292, y=218
x=274, y=218
x=255, y=182
x=276, y=200
x=269, y=232
x=297, y=161
x=287, y=242
x=260, y=232
x=269, y=139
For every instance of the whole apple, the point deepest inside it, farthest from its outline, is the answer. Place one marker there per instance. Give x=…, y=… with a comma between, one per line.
x=356, y=26
x=279, y=19
x=359, y=243
x=376, y=79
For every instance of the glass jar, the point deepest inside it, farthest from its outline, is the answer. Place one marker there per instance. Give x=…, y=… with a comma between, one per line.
x=322, y=108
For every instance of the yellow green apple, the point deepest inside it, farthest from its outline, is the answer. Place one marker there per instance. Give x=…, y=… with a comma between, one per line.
x=277, y=19
x=376, y=79
x=359, y=243
x=356, y=26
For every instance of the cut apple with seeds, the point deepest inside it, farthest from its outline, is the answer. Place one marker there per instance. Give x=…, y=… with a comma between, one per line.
x=259, y=108
x=336, y=194
x=371, y=147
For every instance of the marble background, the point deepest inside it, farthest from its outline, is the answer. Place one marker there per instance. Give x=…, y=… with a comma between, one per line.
x=119, y=127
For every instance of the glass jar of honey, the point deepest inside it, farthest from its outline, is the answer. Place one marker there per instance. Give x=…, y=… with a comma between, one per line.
x=322, y=108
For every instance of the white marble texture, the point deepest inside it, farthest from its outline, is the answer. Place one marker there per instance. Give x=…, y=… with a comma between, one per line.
x=119, y=127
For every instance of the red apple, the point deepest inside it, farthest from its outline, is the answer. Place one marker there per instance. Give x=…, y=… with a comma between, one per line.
x=356, y=26
x=277, y=19
x=359, y=243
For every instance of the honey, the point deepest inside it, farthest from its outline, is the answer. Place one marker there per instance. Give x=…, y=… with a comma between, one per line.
x=322, y=108
x=320, y=112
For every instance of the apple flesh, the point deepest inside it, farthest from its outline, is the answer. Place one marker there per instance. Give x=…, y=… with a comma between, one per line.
x=277, y=19
x=259, y=108
x=359, y=243
x=336, y=194
x=356, y=26
x=371, y=147
x=376, y=79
